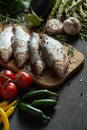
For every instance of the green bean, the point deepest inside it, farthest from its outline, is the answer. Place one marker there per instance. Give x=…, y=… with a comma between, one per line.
x=71, y=3
x=81, y=11
x=75, y=14
x=54, y=9
x=85, y=5
x=75, y=4
x=62, y=8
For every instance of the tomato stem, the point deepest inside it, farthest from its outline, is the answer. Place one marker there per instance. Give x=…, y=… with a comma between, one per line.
x=3, y=75
x=4, y=85
x=19, y=76
x=8, y=79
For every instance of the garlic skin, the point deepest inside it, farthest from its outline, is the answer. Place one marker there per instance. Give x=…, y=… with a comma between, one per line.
x=54, y=26
x=71, y=26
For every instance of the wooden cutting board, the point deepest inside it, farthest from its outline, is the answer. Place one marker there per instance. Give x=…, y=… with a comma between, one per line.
x=49, y=80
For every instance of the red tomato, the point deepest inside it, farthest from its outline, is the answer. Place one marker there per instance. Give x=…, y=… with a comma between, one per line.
x=6, y=74
x=8, y=90
x=23, y=80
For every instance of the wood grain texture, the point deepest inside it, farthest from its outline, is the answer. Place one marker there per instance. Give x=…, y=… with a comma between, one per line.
x=48, y=79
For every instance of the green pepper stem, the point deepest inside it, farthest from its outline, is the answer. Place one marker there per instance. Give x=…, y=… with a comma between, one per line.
x=46, y=117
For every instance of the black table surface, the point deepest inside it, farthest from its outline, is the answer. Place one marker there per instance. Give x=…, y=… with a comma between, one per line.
x=71, y=110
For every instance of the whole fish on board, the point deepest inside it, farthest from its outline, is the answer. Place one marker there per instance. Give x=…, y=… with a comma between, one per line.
x=20, y=46
x=6, y=40
x=38, y=65
x=54, y=55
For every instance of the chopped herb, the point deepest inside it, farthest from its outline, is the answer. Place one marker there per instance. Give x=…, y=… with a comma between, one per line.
x=70, y=51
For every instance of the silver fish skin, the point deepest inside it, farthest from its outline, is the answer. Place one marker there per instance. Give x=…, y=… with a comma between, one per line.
x=54, y=55
x=38, y=65
x=20, y=46
x=6, y=41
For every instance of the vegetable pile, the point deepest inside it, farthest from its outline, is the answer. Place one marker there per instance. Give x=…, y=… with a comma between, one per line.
x=35, y=102
x=64, y=9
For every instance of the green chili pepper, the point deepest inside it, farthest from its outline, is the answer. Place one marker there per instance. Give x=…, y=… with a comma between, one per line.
x=44, y=103
x=39, y=94
x=33, y=111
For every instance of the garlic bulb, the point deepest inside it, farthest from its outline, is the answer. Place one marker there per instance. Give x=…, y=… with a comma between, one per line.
x=71, y=26
x=54, y=26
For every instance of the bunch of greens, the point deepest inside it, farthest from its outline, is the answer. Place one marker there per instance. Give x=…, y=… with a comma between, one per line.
x=13, y=10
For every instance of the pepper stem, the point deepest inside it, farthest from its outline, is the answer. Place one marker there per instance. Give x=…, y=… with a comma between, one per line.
x=46, y=117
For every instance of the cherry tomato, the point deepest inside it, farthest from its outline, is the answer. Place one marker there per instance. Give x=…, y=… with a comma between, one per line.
x=5, y=74
x=23, y=80
x=8, y=90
